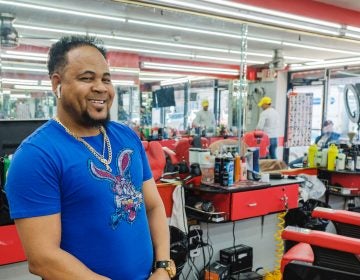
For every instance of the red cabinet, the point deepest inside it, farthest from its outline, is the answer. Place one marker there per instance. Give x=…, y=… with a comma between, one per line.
x=243, y=204
x=264, y=201
x=10, y=246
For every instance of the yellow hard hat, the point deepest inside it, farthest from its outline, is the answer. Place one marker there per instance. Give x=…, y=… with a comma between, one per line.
x=264, y=100
x=205, y=103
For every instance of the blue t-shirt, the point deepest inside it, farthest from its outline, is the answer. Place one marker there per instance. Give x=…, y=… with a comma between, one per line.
x=103, y=215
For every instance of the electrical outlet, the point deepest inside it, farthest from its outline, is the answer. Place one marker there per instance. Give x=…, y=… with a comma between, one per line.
x=195, y=253
x=195, y=241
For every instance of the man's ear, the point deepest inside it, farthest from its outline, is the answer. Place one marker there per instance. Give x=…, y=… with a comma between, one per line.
x=56, y=84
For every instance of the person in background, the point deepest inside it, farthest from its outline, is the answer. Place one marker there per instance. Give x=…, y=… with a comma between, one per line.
x=204, y=118
x=269, y=123
x=39, y=113
x=327, y=137
x=123, y=116
x=80, y=188
x=145, y=117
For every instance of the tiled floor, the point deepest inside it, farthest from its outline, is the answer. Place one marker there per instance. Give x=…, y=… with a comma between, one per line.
x=16, y=271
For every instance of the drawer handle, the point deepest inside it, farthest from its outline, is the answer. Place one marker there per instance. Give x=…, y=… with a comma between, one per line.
x=252, y=204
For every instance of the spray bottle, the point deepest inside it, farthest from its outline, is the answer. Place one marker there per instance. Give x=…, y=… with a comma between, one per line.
x=332, y=154
x=313, y=149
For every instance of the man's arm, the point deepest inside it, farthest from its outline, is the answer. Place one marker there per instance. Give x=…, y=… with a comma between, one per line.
x=159, y=227
x=261, y=122
x=40, y=237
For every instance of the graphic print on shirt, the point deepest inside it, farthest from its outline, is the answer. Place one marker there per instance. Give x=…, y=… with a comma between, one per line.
x=127, y=199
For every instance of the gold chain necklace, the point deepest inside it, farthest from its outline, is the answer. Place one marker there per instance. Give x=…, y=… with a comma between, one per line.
x=100, y=157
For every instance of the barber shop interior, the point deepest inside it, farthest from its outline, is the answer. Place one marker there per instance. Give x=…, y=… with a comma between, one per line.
x=248, y=112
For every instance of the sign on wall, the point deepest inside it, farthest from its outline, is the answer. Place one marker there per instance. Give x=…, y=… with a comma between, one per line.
x=299, y=119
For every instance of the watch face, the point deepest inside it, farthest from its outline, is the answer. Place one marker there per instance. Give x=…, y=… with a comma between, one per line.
x=169, y=266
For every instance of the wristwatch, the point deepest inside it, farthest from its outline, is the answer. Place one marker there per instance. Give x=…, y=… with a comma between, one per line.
x=168, y=265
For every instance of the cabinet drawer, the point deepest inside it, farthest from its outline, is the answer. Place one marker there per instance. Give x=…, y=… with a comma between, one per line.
x=276, y=197
x=248, y=204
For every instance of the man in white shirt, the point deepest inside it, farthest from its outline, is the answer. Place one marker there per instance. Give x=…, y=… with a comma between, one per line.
x=204, y=118
x=268, y=122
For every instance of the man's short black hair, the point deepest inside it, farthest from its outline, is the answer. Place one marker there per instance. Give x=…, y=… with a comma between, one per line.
x=57, y=59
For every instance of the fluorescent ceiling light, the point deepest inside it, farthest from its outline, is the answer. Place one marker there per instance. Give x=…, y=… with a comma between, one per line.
x=182, y=80
x=353, y=28
x=24, y=69
x=45, y=83
x=149, y=79
x=188, y=68
x=300, y=45
x=332, y=61
x=14, y=96
x=160, y=43
x=33, y=87
x=18, y=81
x=131, y=49
x=237, y=61
x=62, y=11
x=27, y=53
x=38, y=28
x=122, y=83
x=23, y=57
x=125, y=70
x=274, y=13
x=328, y=65
x=157, y=74
x=258, y=18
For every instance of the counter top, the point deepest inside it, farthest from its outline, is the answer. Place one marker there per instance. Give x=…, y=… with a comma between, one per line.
x=243, y=186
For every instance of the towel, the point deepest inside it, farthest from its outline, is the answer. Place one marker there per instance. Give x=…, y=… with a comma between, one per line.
x=178, y=216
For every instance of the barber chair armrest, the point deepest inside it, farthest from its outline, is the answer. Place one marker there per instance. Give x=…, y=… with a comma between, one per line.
x=322, y=239
x=299, y=252
x=342, y=216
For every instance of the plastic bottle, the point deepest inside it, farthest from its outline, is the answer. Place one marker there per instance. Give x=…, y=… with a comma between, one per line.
x=324, y=157
x=243, y=176
x=357, y=161
x=225, y=177
x=318, y=159
x=340, y=161
x=332, y=154
x=313, y=149
x=217, y=169
x=237, y=168
x=350, y=166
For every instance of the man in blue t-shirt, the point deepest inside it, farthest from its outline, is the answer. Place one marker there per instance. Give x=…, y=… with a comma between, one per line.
x=80, y=188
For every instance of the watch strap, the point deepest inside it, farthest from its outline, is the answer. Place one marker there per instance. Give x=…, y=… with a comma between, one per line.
x=161, y=264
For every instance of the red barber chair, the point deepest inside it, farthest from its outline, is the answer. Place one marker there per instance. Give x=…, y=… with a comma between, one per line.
x=331, y=256
x=156, y=158
x=182, y=147
x=346, y=223
x=259, y=139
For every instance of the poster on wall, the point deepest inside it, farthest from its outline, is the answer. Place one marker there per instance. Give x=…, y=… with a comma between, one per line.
x=299, y=119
